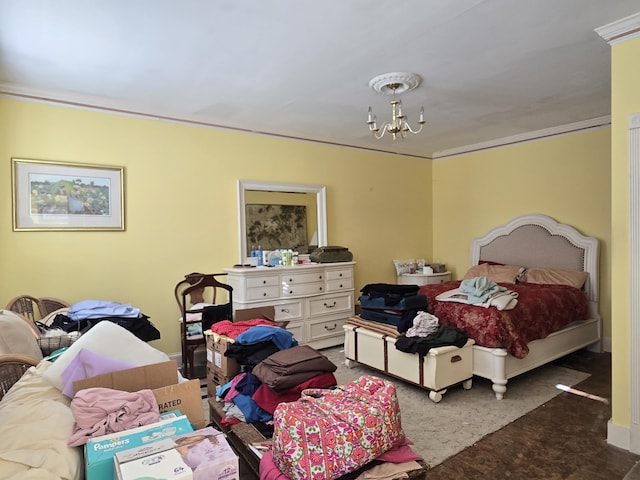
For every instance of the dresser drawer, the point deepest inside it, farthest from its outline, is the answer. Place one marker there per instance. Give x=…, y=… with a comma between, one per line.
x=325, y=328
x=302, y=289
x=338, y=274
x=297, y=330
x=339, y=284
x=297, y=278
x=271, y=281
x=262, y=293
x=330, y=304
x=288, y=311
x=423, y=279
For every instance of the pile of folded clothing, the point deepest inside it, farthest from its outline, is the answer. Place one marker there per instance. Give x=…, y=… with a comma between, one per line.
x=82, y=316
x=273, y=369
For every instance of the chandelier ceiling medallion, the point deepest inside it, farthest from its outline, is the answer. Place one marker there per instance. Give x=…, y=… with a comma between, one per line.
x=394, y=84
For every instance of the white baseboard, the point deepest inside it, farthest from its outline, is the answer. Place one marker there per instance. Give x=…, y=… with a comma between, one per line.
x=618, y=436
x=200, y=356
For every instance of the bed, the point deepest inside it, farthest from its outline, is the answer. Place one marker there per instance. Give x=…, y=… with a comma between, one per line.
x=531, y=243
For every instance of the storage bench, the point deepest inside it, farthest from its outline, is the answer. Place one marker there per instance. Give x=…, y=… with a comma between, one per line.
x=443, y=367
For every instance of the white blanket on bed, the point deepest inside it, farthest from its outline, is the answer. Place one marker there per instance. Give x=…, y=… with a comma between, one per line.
x=35, y=425
x=502, y=300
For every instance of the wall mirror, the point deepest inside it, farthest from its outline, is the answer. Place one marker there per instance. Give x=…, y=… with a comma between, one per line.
x=281, y=214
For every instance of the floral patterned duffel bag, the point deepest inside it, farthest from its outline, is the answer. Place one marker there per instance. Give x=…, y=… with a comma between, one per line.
x=331, y=432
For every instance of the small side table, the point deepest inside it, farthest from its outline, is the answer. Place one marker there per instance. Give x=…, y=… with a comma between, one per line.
x=423, y=278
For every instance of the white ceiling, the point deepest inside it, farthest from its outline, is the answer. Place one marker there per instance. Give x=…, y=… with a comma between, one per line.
x=491, y=69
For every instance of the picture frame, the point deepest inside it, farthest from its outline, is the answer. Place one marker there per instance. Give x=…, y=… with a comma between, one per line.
x=51, y=195
x=276, y=226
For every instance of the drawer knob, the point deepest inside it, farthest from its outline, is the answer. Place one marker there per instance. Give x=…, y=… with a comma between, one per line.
x=340, y=285
x=290, y=280
x=340, y=275
x=284, y=310
x=319, y=277
x=264, y=282
x=330, y=306
x=264, y=294
x=456, y=358
x=320, y=288
x=290, y=292
x=335, y=325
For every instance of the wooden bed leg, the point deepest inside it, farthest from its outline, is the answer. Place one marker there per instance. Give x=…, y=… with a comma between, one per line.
x=500, y=387
x=499, y=377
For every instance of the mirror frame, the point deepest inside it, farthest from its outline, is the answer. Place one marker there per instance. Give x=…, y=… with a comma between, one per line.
x=321, y=207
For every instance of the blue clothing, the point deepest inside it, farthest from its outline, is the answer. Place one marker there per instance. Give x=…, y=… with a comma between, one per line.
x=280, y=337
x=480, y=289
x=89, y=309
x=252, y=412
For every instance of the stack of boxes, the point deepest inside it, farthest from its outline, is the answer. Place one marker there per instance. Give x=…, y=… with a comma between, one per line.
x=160, y=450
x=222, y=369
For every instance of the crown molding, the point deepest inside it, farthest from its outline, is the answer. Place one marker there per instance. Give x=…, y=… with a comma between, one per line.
x=620, y=30
x=526, y=137
x=90, y=103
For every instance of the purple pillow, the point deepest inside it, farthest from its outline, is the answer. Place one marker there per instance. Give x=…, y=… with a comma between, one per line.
x=87, y=364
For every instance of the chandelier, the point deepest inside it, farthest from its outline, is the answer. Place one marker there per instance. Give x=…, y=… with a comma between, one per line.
x=393, y=84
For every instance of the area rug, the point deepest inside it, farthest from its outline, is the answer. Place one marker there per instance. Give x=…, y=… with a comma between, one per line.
x=441, y=430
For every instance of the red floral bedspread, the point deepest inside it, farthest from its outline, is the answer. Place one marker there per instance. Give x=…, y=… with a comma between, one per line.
x=541, y=310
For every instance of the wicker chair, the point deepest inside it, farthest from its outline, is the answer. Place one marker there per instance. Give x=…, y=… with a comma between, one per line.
x=25, y=305
x=12, y=367
x=46, y=305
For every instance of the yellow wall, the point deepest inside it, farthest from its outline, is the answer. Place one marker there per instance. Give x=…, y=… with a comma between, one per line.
x=625, y=101
x=566, y=177
x=181, y=212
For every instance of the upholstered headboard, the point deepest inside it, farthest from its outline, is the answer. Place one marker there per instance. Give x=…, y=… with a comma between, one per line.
x=536, y=240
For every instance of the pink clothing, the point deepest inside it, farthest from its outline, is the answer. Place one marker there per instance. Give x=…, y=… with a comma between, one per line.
x=400, y=454
x=100, y=411
x=233, y=329
x=268, y=469
x=232, y=392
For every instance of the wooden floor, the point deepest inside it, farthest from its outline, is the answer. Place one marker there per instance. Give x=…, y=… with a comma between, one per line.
x=564, y=438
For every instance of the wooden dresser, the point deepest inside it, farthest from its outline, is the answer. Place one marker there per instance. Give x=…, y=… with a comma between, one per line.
x=315, y=299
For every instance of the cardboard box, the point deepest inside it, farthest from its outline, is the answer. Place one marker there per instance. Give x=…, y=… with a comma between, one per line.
x=99, y=451
x=268, y=313
x=132, y=454
x=162, y=379
x=167, y=465
x=208, y=454
x=214, y=379
x=146, y=463
x=217, y=363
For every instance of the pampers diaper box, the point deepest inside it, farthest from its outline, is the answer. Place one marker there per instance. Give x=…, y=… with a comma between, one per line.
x=99, y=451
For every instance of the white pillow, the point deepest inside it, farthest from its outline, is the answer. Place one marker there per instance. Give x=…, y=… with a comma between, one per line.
x=109, y=340
x=17, y=337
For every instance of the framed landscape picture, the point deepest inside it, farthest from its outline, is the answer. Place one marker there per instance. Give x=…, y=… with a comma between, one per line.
x=51, y=195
